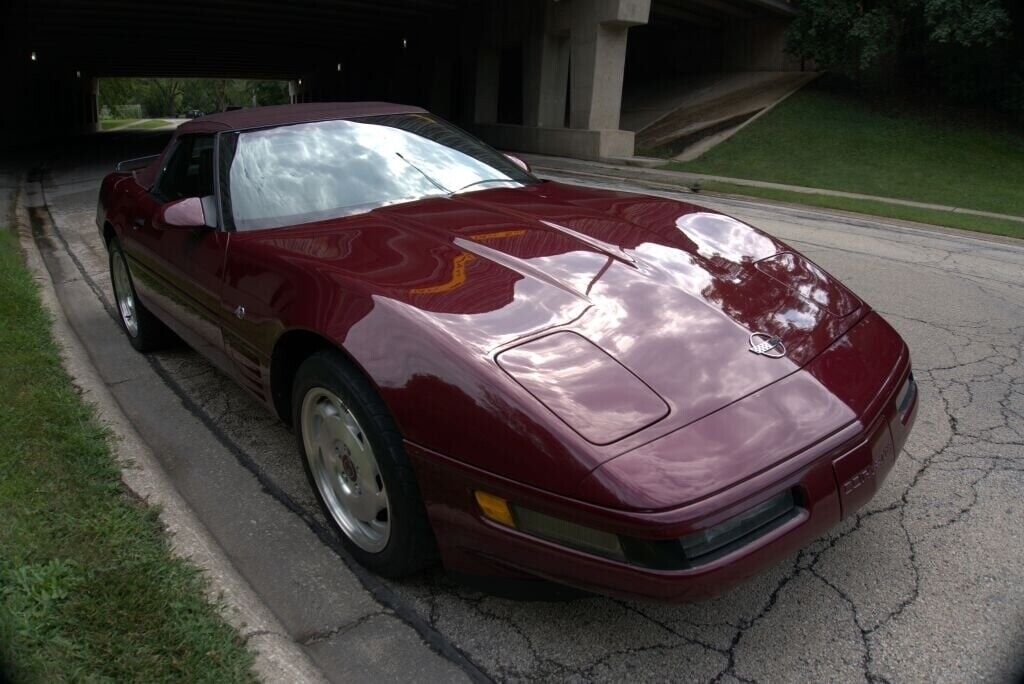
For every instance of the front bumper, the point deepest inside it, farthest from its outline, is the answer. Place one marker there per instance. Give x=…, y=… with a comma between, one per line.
x=831, y=480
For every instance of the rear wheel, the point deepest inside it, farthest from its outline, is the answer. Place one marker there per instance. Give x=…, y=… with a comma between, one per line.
x=144, y=330
x=356, y=463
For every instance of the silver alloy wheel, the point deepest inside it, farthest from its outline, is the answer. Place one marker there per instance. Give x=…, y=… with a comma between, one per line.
x=345, y=469
x=124, y=295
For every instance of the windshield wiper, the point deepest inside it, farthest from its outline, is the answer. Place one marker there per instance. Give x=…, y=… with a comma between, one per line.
x=423, y=173
x=446, y=190
x=485, y=180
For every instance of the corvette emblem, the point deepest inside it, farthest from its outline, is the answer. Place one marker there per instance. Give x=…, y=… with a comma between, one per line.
x=767, y=345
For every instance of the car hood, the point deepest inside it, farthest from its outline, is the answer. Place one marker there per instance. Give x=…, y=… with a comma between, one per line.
x=660, y=298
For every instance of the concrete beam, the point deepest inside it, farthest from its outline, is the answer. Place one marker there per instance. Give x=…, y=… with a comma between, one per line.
x=562, y=142
x=621, y=13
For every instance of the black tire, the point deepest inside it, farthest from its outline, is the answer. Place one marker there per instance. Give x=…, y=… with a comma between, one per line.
x=410, y=546
x=150, y=333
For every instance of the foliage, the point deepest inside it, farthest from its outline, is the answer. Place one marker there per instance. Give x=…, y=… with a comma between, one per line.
x=960, y=49
x=89, y=590
x=966, y=22
x=841, y=35
x=161, y=97
x=852, y=36
x=173, y=96
x=127, y=111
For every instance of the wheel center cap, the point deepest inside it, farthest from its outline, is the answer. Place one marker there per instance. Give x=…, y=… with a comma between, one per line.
x=348, y=468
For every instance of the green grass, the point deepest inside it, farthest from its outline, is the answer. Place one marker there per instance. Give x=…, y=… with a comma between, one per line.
x=133, y=124
x=822, y=139
x=107, y=124
x=150, y=123
x=939, y=218
x=88, y=588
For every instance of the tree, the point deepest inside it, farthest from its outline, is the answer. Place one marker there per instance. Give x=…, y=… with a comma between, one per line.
x=854, y=36
x=966, y=23
x=115, y=92
x=170, y=96
x=268, y=92
x=962, y=48
x=194, y=95
x=161, y=96
x=220, y=87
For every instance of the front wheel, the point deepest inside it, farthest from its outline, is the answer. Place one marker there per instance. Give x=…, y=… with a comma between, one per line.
x=356, y=463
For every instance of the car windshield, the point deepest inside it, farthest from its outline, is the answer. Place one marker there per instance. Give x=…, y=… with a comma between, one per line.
x=314, y=171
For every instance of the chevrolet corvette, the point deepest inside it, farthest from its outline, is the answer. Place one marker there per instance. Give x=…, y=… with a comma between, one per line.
x=514, y=377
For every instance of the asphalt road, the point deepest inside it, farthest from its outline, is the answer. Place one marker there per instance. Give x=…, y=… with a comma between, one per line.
x=926, y=583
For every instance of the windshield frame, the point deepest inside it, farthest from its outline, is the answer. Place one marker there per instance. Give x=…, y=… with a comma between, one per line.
x=226, y=145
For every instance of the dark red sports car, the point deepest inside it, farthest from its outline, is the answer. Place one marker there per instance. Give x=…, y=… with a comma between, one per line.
x=624, y=393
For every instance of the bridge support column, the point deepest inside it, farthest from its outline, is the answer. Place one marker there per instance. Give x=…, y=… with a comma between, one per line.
x=587, y=37
x=546, y=67
x=599, y=30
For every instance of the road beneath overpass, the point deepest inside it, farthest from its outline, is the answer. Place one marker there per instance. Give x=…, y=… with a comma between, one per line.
x=925, y=584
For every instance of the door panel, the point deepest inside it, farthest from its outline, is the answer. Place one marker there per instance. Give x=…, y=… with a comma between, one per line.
x=249, y=334
x=178, y=272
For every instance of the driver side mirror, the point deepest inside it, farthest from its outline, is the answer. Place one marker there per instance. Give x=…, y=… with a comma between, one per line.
x=518, y=162
x=188, y=212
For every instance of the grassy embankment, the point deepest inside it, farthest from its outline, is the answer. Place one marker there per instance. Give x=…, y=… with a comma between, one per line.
x=132, y=124
x=820, y=138
x=88, y=588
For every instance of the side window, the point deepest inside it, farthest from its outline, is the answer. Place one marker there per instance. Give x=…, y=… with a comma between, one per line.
x=189, y=171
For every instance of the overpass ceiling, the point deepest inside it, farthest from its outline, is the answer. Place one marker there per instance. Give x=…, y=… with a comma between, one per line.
x=253, y=38
x=717, y=12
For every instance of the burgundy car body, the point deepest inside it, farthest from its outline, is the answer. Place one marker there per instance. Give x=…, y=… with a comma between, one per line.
x=583, y=353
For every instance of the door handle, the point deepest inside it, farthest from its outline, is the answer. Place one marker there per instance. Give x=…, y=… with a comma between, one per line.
x=138, y=222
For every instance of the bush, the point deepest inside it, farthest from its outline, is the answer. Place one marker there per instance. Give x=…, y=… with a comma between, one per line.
x=961, y=50
x=125, y=111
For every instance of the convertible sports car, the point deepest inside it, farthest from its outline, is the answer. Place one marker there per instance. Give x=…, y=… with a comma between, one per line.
x=516, y=377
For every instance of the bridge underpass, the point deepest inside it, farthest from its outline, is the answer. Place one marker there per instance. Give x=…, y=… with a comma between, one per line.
x=533, y=75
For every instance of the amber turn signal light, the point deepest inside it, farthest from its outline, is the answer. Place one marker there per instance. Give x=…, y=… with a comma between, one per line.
x=495, y=508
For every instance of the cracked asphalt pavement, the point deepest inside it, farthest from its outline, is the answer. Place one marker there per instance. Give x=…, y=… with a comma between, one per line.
x=924, y=584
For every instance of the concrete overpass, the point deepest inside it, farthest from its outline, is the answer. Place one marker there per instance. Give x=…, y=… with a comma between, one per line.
x=533, y=75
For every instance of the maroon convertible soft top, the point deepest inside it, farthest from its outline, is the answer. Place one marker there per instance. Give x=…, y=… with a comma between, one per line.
x=276, y=115
x=258, y=117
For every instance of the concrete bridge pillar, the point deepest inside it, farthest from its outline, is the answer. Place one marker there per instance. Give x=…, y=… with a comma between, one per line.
x=587, y=37
x=599, y=29
x=89, y=112
x=546, y=66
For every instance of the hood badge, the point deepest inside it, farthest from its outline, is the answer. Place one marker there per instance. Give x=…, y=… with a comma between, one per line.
x=767, y=345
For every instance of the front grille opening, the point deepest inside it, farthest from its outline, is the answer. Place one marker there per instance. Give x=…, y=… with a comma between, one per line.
x=717, y=541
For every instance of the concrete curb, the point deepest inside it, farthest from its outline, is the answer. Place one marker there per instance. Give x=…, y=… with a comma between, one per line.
x=277, y=656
